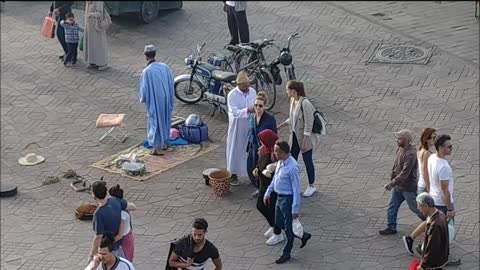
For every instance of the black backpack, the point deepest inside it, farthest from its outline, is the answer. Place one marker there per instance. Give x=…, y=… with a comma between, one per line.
x=319, y=121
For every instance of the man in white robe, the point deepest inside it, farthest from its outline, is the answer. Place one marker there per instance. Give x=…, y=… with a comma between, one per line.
x=240, y=105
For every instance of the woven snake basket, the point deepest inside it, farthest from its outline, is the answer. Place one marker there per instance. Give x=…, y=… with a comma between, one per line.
x=220, y=182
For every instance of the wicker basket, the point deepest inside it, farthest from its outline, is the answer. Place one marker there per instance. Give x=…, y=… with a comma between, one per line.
x=220, y=182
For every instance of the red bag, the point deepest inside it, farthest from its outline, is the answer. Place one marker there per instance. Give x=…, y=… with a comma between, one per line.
x=48, y=27
x=415, y=263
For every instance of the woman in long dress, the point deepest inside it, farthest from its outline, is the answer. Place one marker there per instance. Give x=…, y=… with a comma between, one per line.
x=95, y=44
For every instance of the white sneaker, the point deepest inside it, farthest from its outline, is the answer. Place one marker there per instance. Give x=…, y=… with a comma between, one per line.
x=309, y=191
x=102, y=67
x=268, y=233
x=275, y=239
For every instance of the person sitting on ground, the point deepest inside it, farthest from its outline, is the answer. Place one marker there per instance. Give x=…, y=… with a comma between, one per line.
x=193, y=250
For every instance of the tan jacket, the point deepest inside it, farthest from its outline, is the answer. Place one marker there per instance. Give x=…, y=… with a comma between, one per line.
x=303, y=123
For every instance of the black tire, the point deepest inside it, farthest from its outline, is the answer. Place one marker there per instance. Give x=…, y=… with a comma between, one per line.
x=194, y=84
x=291, y=74
x=241, y=61
x=149, y=11
x=266, y=82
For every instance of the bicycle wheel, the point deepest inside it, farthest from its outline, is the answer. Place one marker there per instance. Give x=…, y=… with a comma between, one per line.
x=249, y=68
x=266, y=82
x=189, y=95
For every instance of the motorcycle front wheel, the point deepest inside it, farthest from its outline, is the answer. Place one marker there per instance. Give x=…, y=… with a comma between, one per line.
x=266, y=82
x=188, y=93
x=290, y=73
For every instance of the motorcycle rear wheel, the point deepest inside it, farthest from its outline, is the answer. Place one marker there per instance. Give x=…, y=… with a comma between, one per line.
x=193, y=94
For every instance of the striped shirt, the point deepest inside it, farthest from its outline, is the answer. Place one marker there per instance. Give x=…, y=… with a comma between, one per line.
x=71, y=31
x=120, y=264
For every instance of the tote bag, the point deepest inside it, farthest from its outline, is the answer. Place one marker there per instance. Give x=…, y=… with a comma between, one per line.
x=48, y=27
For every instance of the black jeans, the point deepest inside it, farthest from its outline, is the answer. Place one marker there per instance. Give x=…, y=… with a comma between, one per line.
x=61, y=34
x=307, y=159
x=268, y=211
x=237, y=24
x=71, y=56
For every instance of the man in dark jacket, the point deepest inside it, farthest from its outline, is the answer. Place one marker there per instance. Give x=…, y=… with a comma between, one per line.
x=59, y=9
x=403, y=182
x=436, y=248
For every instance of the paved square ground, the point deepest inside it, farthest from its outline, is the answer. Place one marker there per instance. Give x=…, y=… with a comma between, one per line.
x=51, y=110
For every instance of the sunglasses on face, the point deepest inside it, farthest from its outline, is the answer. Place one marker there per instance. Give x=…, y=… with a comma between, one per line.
x=258, y=105
x=448, y=146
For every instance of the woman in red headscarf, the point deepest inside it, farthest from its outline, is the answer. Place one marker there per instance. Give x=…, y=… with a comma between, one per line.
x=265, y=157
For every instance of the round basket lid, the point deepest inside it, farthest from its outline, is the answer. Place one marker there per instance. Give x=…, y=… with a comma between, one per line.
x=208, y=171
x=133, y=166
x=7, y=189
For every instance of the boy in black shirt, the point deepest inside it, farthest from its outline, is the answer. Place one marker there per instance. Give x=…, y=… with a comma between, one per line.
x=193, y=250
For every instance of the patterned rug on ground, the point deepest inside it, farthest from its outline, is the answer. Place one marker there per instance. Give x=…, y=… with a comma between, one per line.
x=174, y=155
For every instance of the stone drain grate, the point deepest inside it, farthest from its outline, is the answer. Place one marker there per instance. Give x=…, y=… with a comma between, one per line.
x=401, y=54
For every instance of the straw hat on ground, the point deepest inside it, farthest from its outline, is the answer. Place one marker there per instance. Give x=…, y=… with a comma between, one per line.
x=31, y=159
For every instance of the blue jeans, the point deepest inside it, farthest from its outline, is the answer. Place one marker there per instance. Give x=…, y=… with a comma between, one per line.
x=283, y=220
x=421, y=190
x=396, y=199
x=444, y=208
x=307, y=159
x=71, y=56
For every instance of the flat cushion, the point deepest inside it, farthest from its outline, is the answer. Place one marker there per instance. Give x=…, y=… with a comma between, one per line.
x=109, y=120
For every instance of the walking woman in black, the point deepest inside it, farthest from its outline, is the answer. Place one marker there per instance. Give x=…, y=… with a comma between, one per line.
x=265, y=157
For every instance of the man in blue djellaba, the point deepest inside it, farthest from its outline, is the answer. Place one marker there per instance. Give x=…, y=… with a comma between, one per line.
x=156, y=91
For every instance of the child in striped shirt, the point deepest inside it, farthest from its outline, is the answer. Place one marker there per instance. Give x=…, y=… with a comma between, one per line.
x=71, y=38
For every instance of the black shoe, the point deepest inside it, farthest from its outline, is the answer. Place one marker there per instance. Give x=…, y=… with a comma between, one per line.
x=305, y=238
x=387, y=231
x=408, y=242
x=282, y=259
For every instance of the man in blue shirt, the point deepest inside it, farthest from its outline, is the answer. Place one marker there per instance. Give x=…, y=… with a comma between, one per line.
x=107, y=217
x=286, y=183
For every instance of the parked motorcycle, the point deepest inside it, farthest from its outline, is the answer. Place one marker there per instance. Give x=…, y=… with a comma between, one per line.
x=206, y=81
x=285, y=58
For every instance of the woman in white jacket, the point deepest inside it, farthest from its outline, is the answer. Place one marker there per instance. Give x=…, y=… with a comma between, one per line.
x=301, y=137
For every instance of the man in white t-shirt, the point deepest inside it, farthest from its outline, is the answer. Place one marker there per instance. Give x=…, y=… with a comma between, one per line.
x=441, y=176
x=441, y=189
x=106, y=258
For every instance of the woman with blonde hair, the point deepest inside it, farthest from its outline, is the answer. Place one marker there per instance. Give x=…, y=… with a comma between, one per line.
x=259, y=121
x=97, y=20
x=300, y=122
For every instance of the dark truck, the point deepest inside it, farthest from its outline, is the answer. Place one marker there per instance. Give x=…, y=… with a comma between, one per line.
x=147, y=11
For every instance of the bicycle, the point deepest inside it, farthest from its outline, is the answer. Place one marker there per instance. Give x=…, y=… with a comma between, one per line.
x=250, y=58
